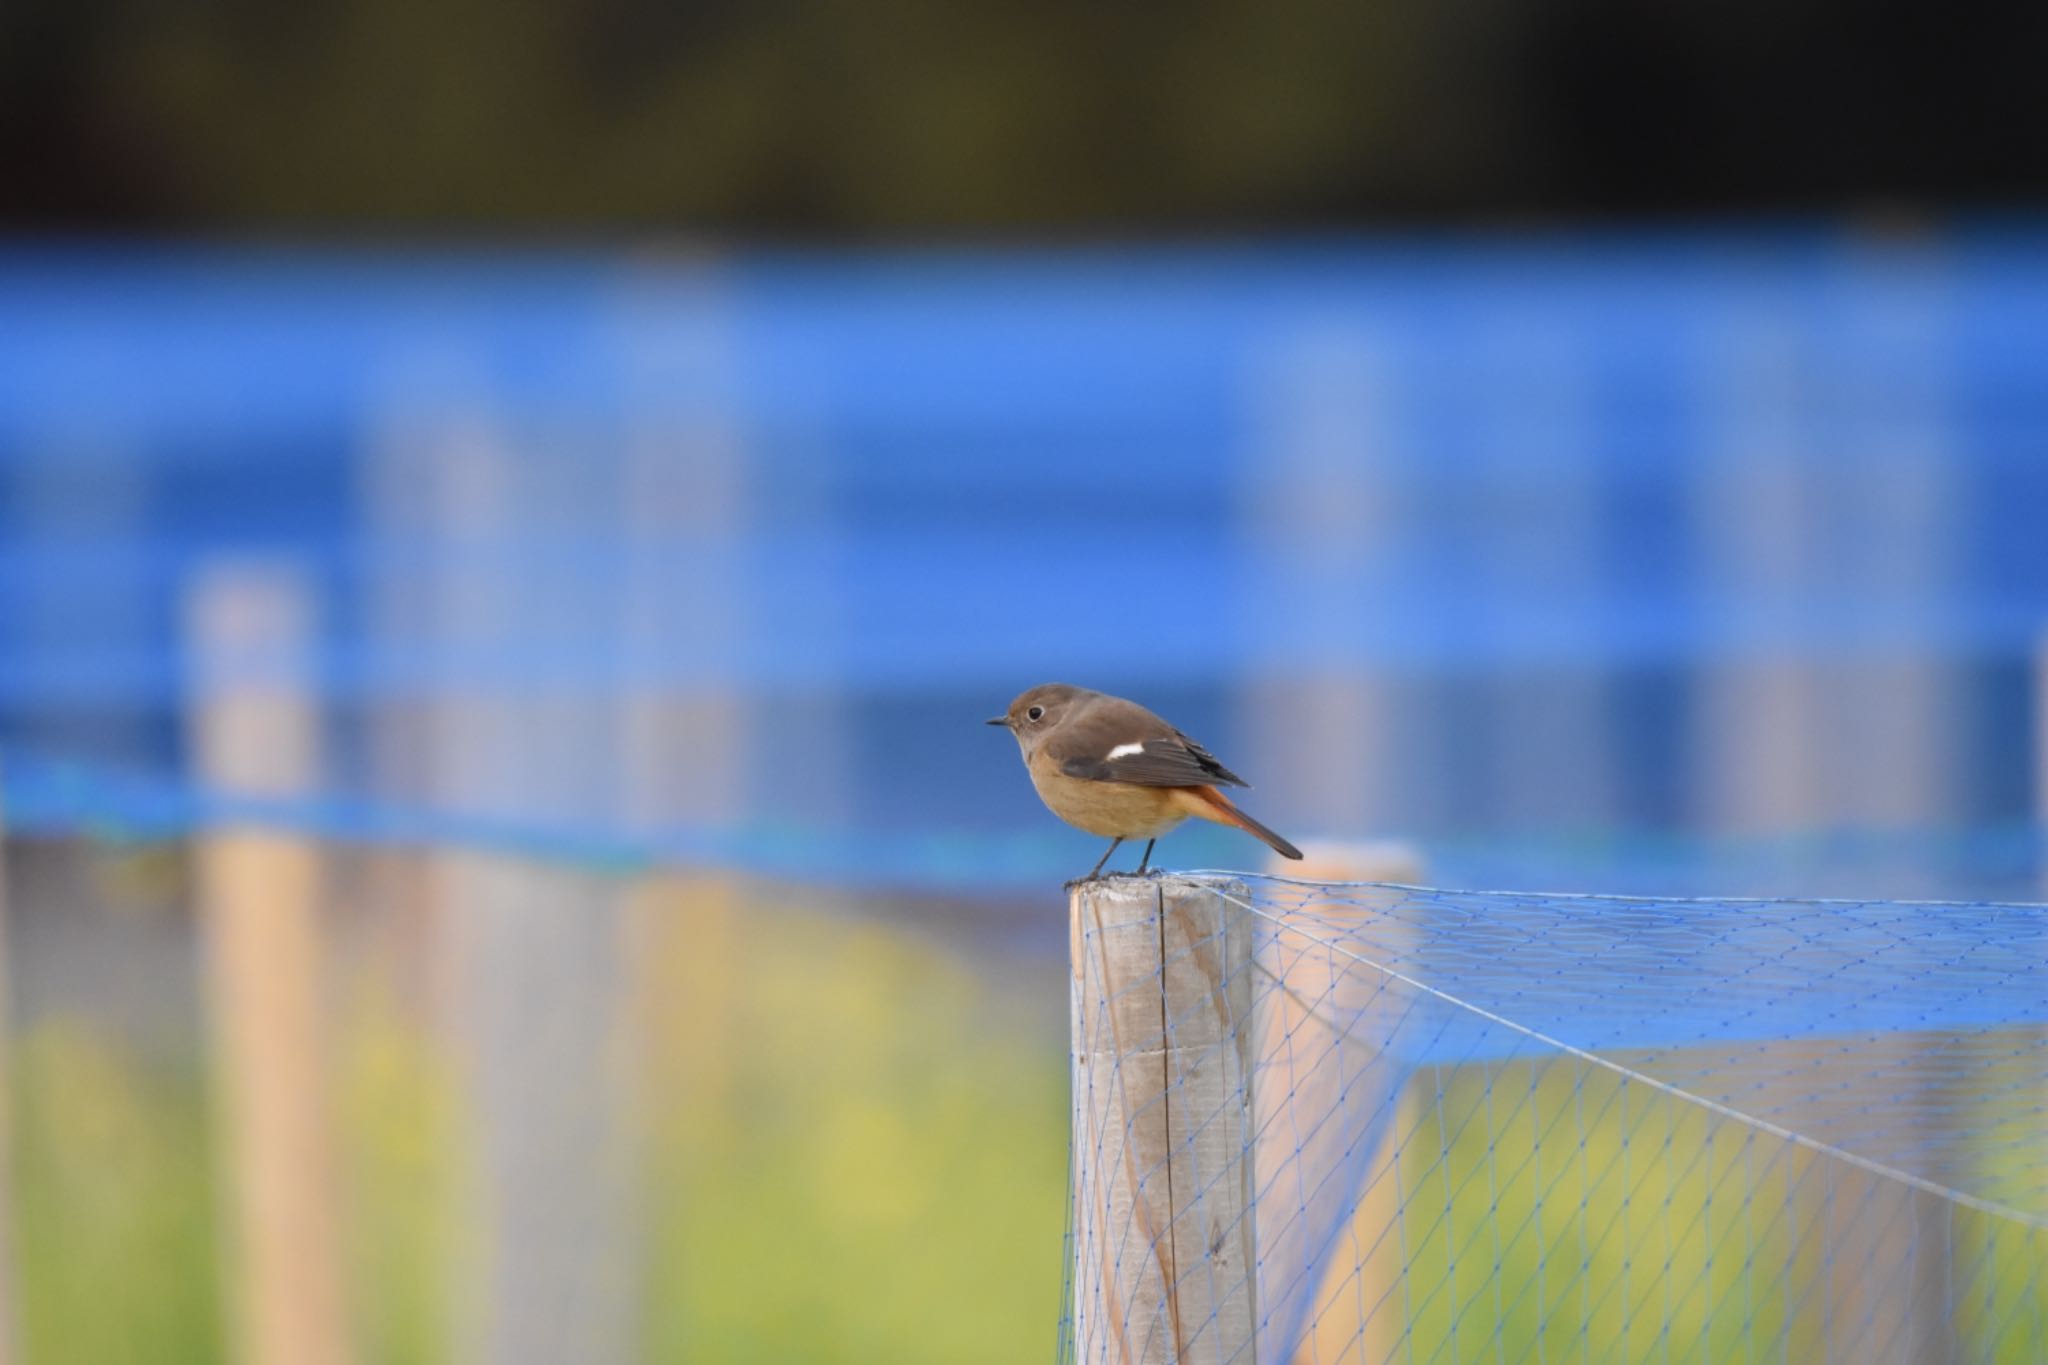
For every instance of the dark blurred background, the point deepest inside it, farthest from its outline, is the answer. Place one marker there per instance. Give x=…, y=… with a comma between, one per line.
x=511, y=517
x=815, y=121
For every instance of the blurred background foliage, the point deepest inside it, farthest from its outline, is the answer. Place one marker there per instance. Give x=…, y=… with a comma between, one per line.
x=848, y=1148
x=918, y=116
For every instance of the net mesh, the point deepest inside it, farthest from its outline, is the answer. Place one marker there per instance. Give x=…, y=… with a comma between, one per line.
x=1357, y=1123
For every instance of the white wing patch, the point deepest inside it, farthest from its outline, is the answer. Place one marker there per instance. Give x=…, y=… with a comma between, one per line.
x=1126, y=750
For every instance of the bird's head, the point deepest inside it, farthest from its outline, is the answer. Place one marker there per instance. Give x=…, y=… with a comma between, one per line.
x=1034, y=713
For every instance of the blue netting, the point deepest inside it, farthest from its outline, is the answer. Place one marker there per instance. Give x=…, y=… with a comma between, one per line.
x=1549, y=534
x=1477, y=1125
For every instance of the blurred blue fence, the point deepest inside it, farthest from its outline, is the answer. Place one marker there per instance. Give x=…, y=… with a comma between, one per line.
x=724, y=557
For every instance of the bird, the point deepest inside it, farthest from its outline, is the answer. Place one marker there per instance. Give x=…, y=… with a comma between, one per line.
x=1111, y=768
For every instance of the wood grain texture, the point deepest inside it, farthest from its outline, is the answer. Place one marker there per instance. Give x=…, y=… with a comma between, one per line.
x=1164, y=1241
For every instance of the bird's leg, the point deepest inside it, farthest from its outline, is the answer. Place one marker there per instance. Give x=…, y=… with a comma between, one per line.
x=1104, y=858
x=1148, y=854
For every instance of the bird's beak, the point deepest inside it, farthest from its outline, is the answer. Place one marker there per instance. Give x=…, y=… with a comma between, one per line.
x=1003, y=721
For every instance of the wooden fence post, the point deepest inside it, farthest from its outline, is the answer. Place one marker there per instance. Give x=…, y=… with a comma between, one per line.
x=253, y=725
x=1164, y=1253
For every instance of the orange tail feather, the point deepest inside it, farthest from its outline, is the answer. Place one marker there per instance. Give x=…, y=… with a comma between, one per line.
x=1211, y=804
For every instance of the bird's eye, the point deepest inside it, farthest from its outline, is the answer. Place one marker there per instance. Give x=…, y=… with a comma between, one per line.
x=1035, y=713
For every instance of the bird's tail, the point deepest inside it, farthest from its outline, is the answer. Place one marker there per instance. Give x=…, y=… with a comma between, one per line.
x=1211, y=804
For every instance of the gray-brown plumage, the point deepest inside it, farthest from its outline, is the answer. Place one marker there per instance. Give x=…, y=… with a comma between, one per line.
x=1112, y=768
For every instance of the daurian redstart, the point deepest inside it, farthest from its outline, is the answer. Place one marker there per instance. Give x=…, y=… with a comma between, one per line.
x=1112, y=768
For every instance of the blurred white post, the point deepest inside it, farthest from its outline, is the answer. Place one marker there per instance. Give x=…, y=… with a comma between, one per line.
x=533, y=953
x=253, y=726
x=1898, y=537
x=1321, y=495
x=530, y=954
x=1165, y=1267
x=1761, y=717
x=1547, y=730
x=1788, y=739
x=684, y=514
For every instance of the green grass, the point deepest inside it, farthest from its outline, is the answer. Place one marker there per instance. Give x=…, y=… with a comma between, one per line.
x=854, y=1149
x=874, y=1170
x=115, y=1232
x=1553, y=1210
x=397, y=1112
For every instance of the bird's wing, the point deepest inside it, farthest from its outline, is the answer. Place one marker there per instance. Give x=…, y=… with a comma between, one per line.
x=1169, y=760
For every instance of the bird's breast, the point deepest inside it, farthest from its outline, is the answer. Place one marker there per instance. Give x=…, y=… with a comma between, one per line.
x=1112, y=810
